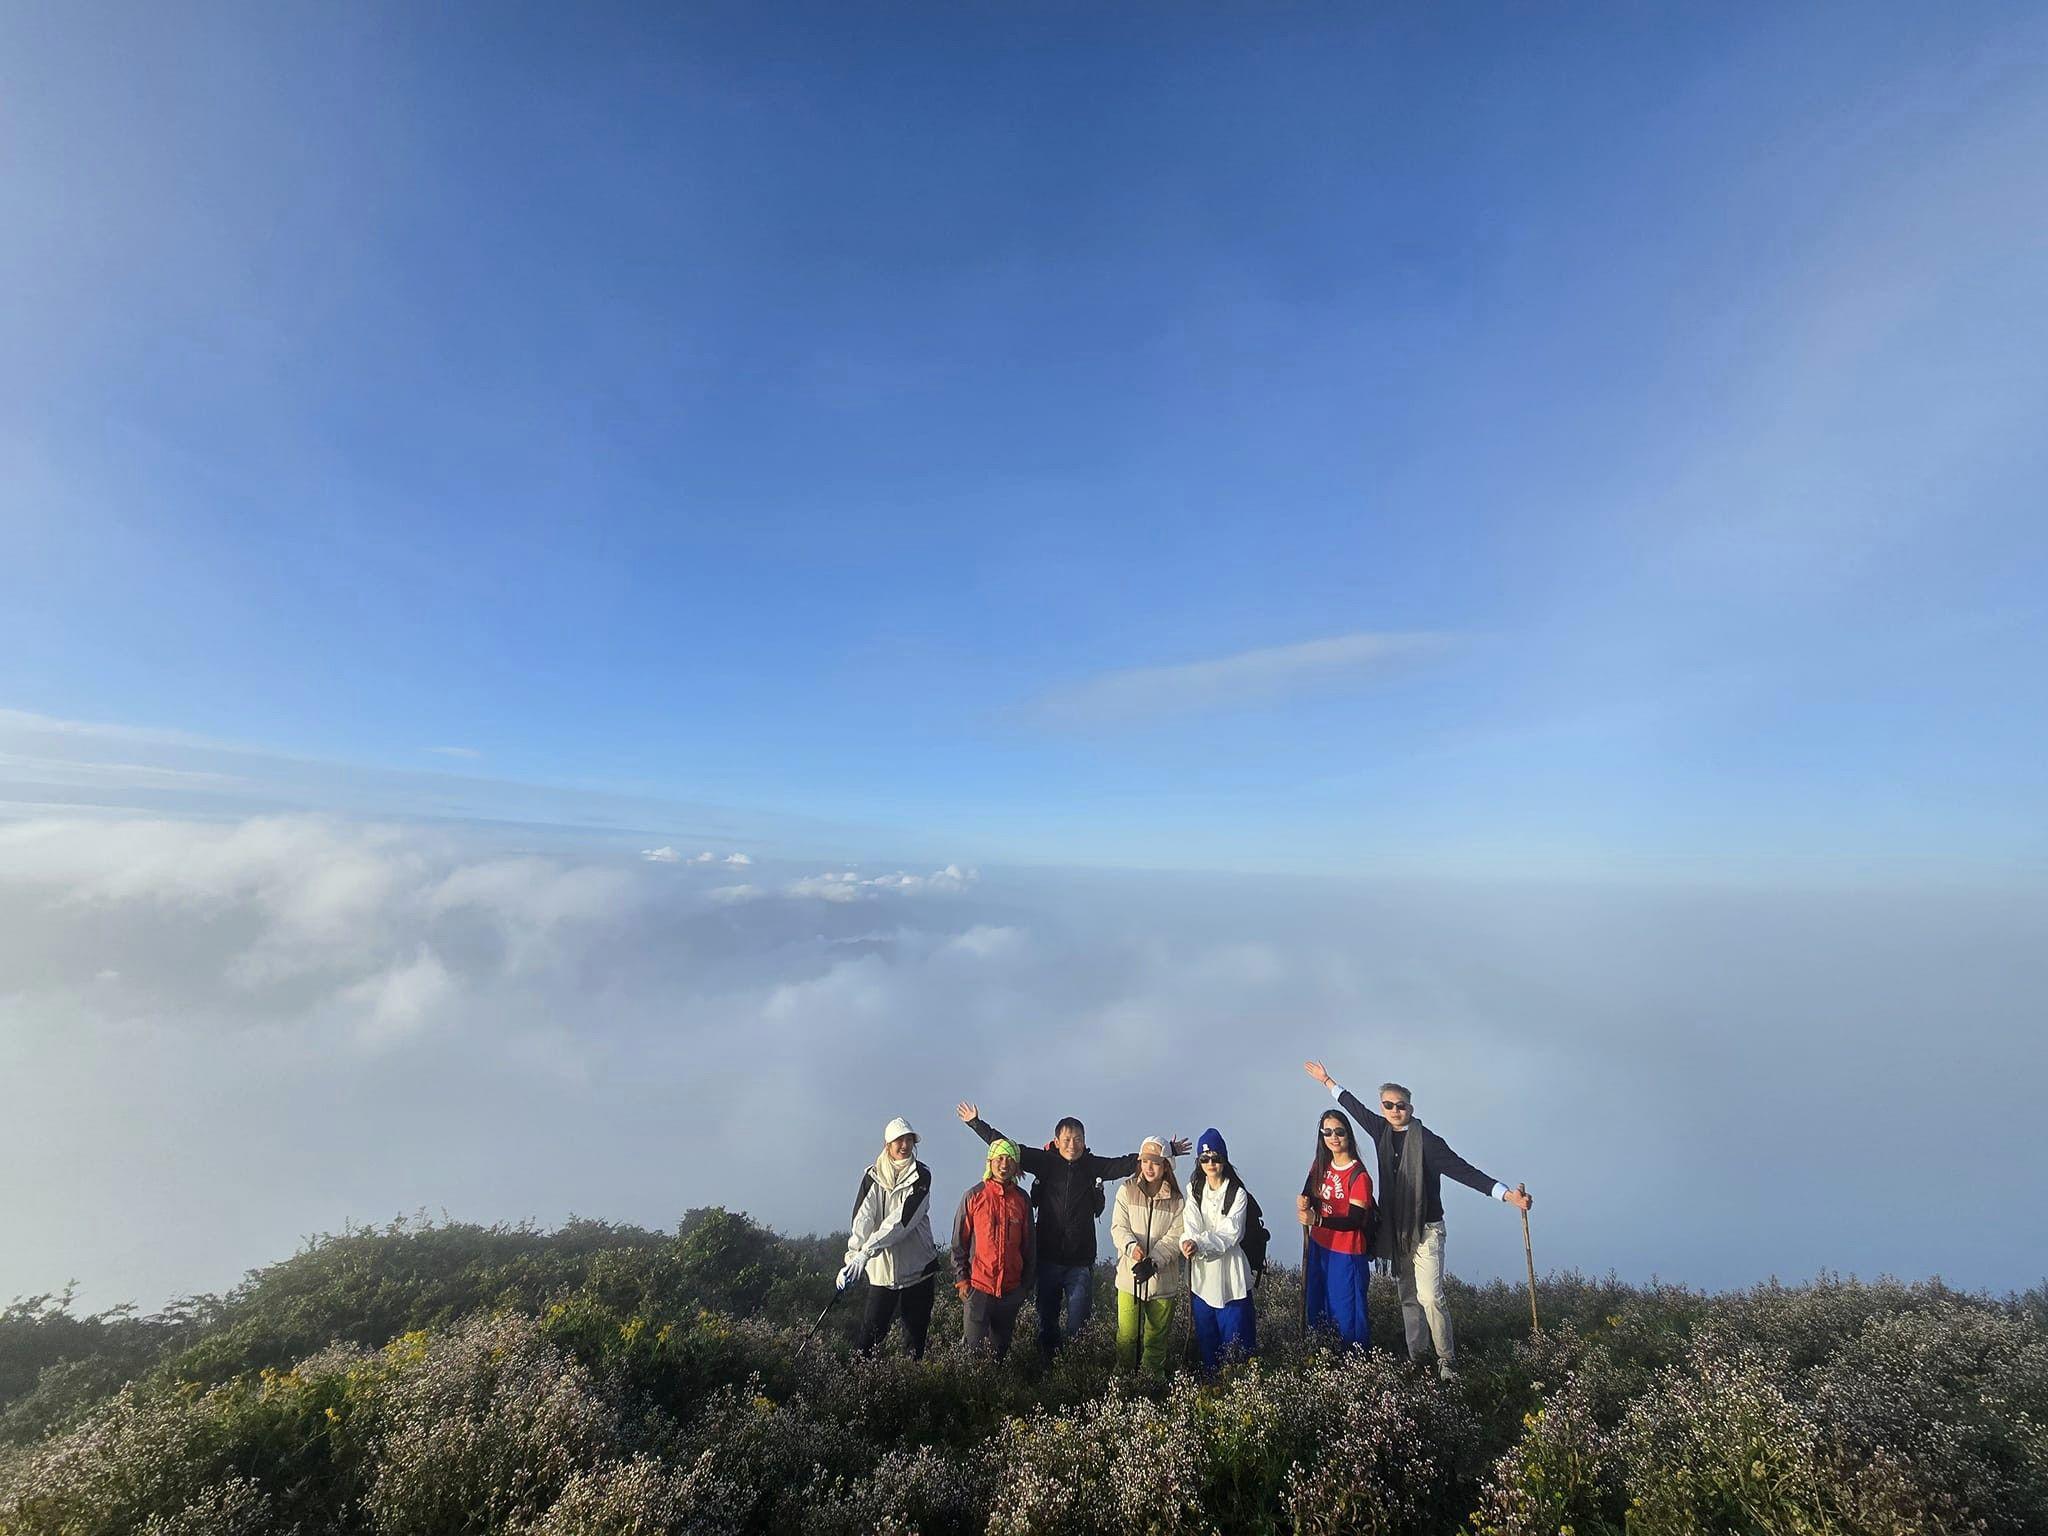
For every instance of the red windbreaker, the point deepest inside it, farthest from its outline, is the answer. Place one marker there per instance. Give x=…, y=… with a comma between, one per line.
x=992, y=1238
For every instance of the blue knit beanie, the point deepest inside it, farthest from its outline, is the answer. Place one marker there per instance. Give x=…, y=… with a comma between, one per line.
x=1212, y=1141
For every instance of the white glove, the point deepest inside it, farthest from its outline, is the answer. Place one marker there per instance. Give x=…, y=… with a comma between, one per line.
x=855, y=1268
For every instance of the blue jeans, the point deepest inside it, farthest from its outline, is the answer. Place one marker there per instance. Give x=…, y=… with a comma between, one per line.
x=1068, y=1285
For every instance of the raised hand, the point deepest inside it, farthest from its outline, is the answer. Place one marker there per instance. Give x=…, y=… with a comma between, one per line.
x=1315, y=1070
x=1180, y=1146
x=966, y=1112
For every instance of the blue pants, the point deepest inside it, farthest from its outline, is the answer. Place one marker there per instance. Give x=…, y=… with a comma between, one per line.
x=1225, y=1333
x=1336, y=1294
x=1068, y=1287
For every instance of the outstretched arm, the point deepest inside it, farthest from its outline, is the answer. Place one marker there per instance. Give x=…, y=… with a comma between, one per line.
x=970, y=1116
x=1030, y=1159
x=1449, y=1163
x=1352, y=1103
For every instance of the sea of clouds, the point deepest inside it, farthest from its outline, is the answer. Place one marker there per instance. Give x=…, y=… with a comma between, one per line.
x=220, y=1035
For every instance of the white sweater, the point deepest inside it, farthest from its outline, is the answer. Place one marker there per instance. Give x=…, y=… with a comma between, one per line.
x=1219, y=1272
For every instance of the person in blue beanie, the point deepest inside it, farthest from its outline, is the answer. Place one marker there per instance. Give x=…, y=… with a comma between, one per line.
x=1219, y=1275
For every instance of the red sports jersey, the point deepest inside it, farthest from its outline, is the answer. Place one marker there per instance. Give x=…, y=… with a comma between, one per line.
x=1342, y=1193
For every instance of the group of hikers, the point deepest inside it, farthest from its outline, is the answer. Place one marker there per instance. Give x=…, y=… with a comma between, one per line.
x=1207, y=1241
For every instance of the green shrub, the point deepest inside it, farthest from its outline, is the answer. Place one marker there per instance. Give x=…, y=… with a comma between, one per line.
x=613, y=1381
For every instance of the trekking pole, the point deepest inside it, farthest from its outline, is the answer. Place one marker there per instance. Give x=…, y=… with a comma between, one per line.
x=1187, y=1294
x=1304, y=1284
x=1529, y=1255
x=836, y=1294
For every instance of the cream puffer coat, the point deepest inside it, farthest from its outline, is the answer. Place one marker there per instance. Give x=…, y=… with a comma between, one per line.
x=1155, y=1224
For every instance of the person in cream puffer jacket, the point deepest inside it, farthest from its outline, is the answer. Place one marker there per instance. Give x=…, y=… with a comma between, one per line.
x=1150, y=1273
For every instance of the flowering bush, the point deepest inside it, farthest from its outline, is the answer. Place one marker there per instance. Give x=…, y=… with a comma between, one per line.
x=499, y=1381
x=486, y=1427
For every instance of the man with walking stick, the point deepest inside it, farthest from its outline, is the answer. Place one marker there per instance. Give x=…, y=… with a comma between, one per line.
x=1413, y=1160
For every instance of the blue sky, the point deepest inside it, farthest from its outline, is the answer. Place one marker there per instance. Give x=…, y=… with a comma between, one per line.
x=787, y=406
x=575, y=582
x=808, y=407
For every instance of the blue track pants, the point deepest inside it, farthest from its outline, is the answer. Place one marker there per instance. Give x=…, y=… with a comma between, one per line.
x=1336, y=1294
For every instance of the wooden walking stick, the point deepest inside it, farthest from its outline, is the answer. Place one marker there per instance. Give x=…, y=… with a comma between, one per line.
x=1529, y=1254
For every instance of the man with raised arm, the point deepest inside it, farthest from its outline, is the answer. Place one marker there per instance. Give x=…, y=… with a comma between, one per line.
x=1413, y=1161
x=1068, y=1203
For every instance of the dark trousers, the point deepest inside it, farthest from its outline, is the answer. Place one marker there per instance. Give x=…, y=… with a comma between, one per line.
x=1068, y=1288
x=915, y=1301
x=991, y=1320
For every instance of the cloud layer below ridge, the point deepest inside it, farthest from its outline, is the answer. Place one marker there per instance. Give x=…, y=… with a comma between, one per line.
x=217, y=1036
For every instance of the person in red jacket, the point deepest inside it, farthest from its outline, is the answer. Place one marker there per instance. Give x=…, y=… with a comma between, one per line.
x=995, y=1252
x=1336, y=1207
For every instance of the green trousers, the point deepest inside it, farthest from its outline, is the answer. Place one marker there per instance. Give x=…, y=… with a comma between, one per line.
x=1156, y=1318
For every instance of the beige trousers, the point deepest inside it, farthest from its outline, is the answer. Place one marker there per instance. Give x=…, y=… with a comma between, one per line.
x=1424, y=1315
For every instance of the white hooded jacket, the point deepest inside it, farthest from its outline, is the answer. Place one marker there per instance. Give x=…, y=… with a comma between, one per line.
x=892, y=1230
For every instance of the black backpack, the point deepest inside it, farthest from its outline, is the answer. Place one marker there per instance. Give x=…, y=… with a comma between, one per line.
x=1256, y=1238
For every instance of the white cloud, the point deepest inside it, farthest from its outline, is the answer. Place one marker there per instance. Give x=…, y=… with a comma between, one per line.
x=1249, y=678
x=847, y=885
x=661, y=855
x=706, y=857
x=828, y=887
x=400, y=1001
x=988, y=941
x=737, y=858
x=456, y=1022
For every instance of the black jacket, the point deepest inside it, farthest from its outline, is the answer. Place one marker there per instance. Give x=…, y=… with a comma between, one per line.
x=1065, y=1195
x=1394, y=1148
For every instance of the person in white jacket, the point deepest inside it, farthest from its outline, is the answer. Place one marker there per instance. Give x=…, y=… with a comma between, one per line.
x=1212, y=1238
x=890, y=1241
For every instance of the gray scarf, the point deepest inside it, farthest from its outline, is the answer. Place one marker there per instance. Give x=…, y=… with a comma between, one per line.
x=1400, y=1195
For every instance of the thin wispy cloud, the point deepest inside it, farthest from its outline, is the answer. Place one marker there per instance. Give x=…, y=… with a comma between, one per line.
x=662, y=855
x=1247, y=679
x=463, y=752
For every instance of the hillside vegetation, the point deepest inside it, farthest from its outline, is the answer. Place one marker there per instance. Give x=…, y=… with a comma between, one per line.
x=427, y=1379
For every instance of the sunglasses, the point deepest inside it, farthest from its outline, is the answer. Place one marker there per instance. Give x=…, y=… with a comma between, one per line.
x=1335, y=1130
x=1393, y=1104
x=1210, y=1157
